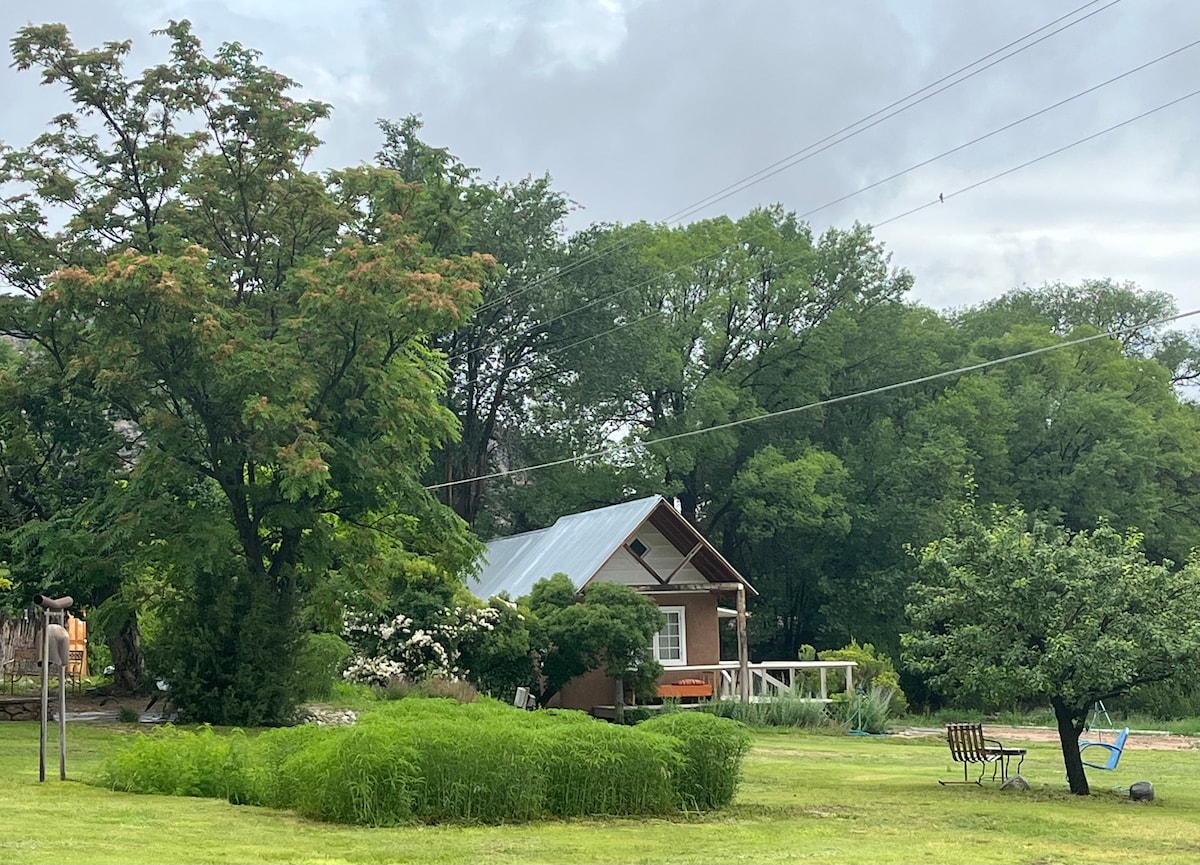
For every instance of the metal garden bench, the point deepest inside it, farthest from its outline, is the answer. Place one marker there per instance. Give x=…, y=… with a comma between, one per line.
x=969, y=745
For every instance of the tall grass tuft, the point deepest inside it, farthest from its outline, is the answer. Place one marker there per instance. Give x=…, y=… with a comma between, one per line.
x=780, y=711
x=438, y=760
x=712, y=750
x=363, y=775
x=599, y=768
x=174, y=762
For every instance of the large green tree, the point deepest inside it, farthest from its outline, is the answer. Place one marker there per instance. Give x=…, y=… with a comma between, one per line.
x=608, y=627
x=1007, y=608
x=258, y=332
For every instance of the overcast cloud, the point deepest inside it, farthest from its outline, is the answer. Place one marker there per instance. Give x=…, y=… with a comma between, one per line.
x=638, y=108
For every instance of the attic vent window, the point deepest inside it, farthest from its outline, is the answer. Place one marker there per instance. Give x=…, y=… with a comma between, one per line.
x=638, y=548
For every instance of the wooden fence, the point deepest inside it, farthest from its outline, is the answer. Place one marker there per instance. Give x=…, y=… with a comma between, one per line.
x=19, y=646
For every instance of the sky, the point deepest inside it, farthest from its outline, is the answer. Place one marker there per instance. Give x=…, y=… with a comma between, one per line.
x=640, y=108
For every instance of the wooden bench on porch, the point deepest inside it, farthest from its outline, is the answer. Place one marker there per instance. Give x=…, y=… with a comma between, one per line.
x=693, y=688
x=969, y=745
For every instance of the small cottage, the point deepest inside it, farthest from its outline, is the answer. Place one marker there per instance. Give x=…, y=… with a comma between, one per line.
x=648, y=545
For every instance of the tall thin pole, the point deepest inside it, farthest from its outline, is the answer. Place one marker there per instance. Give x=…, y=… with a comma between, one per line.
x=62, y=720
x=45, y=691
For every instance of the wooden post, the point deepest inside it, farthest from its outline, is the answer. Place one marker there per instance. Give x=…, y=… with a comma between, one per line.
x=743, y=647
x=45, y=692
x=849, y=678
x=824, y=685
x=62, y=722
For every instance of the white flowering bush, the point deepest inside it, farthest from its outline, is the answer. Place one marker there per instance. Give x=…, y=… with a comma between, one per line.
x=389, y=649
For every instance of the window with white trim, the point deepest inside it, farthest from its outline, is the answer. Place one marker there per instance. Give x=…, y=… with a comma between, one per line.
x=670, y=644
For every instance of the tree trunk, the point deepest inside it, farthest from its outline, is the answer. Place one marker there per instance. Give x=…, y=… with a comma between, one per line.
x=1070, y=725
x=128, y=663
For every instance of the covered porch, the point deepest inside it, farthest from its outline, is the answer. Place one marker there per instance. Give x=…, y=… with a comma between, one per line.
x=764, y=680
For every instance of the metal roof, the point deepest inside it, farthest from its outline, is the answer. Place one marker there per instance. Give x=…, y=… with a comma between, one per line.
x=577, y=545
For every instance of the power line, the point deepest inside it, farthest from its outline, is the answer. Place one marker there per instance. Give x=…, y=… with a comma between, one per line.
x=1003, y=128
x=824, y=144
x=942, y=197
x=597, y=301
x=1037, y=159
x=805, y=154
x=826, y=402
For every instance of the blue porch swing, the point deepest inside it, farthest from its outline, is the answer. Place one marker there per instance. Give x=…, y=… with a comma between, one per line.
x=1109, y=751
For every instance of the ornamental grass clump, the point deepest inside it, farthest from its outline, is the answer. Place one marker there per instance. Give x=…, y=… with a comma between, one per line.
x=437, y=760
x=173, y=762
x=365, y=775
x=477, y=772
x=265, y=779
x=600, y=768
x=712, y=749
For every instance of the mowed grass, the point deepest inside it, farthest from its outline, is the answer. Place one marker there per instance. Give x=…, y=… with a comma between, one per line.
x=804, y=798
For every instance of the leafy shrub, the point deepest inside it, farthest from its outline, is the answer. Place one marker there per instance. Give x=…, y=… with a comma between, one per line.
x=873, y=668
x=320, y=660
x=712, y=749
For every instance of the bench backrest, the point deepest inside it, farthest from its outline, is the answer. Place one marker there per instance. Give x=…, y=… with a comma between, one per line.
x=966, y=742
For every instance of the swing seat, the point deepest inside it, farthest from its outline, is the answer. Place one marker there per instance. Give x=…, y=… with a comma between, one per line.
x=1114, y=751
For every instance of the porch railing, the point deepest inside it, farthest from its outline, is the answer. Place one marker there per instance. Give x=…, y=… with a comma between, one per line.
x=771, y=678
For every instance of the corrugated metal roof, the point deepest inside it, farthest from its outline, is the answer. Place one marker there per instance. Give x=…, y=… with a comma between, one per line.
x=577, y=545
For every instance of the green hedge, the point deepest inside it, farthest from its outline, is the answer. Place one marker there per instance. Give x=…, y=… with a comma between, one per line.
x=433, y=760
x=712, y=749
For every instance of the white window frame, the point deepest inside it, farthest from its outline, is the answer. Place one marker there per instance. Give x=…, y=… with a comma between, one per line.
x=657, y=647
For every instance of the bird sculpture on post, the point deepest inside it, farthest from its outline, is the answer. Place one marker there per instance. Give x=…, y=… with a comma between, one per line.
x=56, y=650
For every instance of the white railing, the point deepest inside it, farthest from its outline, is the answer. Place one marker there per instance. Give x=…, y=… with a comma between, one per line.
x=771, y=678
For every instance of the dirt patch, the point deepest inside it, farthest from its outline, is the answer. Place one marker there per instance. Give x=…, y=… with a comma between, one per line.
x=1150, y=740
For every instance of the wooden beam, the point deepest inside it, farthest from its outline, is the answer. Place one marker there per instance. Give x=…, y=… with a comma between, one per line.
x=699, y=546
x=743, y=647
x=705, y=587
x=644, y=564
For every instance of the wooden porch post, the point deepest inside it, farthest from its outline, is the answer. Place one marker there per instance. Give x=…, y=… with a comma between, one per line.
x=743, y=647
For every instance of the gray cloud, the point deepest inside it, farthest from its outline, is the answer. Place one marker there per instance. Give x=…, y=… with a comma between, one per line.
x=641, y=107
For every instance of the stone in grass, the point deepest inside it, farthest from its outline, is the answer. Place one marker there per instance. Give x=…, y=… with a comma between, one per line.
x=1016, y=782
x=1142, y=791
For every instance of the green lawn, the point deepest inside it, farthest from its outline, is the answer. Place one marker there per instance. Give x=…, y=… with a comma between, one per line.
x=804, y=798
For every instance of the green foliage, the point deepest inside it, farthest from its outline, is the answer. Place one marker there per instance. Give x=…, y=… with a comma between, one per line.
x=320, y=660
x=873, y=670
x=361, y=774
x=866, y=711
x=255, y=333
x=610, y=629
x=712, y=750
x=173, y=762
x=1010, y=609
x=601, y=768
x=781, y=711
x=436, y=760
x=500, y=660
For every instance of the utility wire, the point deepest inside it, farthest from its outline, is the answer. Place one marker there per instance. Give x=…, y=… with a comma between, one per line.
x=825, y=402
x=723, y=251
x=939, y=200
x=1003, y=128
x=845, y=132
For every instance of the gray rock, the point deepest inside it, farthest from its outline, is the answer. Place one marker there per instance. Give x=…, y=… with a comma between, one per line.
x=1016, y=782
x=1142, y=791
